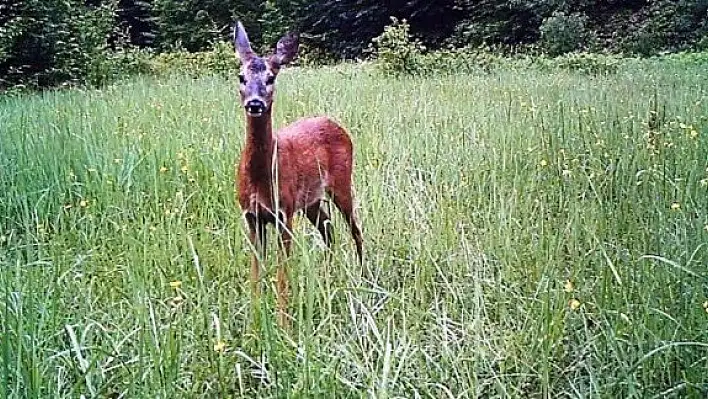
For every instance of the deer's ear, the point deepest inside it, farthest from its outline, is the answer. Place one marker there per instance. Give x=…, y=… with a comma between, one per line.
x=286, y=49
x=241, y=43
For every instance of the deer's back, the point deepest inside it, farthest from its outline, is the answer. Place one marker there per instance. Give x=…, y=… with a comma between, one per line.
x=313, y=154
x=314, y=142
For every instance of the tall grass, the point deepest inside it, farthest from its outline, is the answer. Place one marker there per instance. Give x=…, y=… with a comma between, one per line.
x=528, y=234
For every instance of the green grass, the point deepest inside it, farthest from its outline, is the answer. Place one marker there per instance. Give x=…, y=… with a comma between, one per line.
x=530, y=234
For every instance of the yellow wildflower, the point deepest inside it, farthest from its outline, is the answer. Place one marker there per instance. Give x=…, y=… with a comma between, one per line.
x=83, y=203
x=569, y=287
x=574, y=304
x=543, y=162
x=175, y=284
x=675, y=206
x=220, y=346
x=694, y=133
x=163, y=169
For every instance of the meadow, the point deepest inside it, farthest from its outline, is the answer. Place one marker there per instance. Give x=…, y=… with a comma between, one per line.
x=527, y=233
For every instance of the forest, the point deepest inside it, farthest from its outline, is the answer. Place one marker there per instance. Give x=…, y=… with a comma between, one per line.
x=50, y=42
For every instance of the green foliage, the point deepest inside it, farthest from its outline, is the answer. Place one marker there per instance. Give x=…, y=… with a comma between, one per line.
x=396, y=51
x=562, y=33
x=590, y=63
x=55, y=42
x=666, y=25
x=309, y=55
x=461, y=60
x=119, y=64
x=220, y=60
x=184, y=25
x=346, y=27
x=684, y=58
x=702, y=44
x=45, y=43
x=507, y=22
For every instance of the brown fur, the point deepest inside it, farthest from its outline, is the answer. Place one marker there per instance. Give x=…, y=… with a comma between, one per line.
x=313, y=157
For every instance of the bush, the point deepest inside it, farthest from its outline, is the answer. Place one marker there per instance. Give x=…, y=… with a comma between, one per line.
x=686, y=58
x=563, y=33
x=221, y=60
x=48, y=43
x=666, y=25
x=702, y=44
x=590, y=63
x=462, y=60
x=309, y=55
x=118, y=64
x=396, y=52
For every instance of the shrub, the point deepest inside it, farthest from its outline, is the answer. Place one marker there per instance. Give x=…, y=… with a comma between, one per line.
x=309, y=55
x=686, y=58
x=702, y=44
x=396, y=52
x=666, y=25
x=462, y=60
x=121, y=63
x=220, y=60
x=590, y=63
x=562, y=33
x=48, y=43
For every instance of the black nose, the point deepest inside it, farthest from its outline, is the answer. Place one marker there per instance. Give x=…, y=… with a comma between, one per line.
x=255, y=107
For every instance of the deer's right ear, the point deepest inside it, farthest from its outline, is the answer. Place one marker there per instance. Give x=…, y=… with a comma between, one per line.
x=241, y=43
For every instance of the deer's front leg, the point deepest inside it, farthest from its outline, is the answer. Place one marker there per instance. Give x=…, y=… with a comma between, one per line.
x=257, y=236
x=282, y=285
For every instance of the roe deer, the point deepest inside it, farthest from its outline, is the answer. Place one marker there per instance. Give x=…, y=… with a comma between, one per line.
x=279, y=175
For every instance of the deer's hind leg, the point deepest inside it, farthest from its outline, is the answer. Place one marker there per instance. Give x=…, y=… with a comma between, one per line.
x=343, y=198
x=318, y=216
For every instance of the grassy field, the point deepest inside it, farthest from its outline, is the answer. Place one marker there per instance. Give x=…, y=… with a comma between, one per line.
x=529, y=234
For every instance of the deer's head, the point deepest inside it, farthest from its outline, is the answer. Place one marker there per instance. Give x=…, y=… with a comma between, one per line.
x=257, y=74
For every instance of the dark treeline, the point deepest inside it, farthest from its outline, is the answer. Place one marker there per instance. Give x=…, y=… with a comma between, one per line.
x=346, y=27
x=54, y=40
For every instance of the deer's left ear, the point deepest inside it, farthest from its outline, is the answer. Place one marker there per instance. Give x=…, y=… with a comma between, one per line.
x=286, y=49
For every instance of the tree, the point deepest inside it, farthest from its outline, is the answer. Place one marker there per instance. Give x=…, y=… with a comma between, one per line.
x=47, y=42
x=346, y=27
x=194, y=24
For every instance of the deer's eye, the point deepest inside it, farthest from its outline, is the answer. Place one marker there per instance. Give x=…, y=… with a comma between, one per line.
x=242, y=79
x=270, y=80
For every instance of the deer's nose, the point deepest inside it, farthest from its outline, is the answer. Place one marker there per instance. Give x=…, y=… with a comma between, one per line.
x=255, y=106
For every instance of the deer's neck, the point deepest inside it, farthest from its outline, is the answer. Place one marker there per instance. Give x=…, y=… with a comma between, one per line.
x=259, y=148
